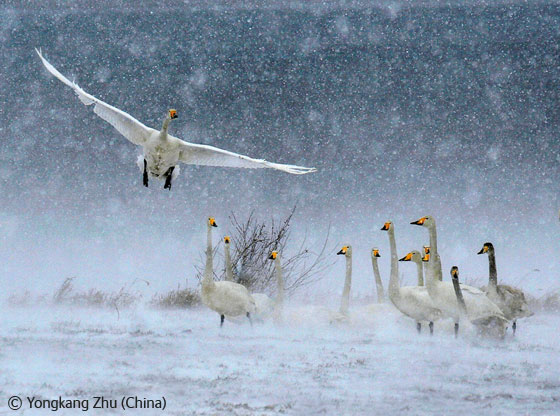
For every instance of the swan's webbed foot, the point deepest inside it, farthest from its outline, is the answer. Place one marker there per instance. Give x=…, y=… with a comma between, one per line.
x=431, y=328
x=249, y=317
x=419, y=327
x=222, y=317
x=145, y=174
x=168, y=177
x=514, y=326
x=456, y=329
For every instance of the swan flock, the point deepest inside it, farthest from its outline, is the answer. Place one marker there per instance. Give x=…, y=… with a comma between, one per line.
x=487, y=311
x=162, y=152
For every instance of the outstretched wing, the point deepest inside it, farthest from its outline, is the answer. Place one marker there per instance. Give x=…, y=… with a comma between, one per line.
x=127, y=125
x=200, y=154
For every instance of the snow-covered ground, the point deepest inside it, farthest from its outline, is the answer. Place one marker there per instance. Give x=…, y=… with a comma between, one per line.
x=373, y=366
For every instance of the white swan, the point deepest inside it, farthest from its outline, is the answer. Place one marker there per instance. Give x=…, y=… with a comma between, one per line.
x=378, y=283
x=345, y=301
x=508, y=298
x=279, y=301
x=264, y=306
x=413, y=301
x=443, y=294
x=487, y=325
x=226, y=298
x=227, y=254
x=163, y=152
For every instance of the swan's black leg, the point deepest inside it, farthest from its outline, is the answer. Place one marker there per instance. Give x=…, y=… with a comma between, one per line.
x=514, y=326
x=222, y=317
x=250, y=320
x=168, y=177
x=456, y=329
x=431, y=328
x=145, y=175
x=418, y=327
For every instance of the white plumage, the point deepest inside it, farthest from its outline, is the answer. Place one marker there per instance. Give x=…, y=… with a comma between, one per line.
x=163, y=152
x=227, y=298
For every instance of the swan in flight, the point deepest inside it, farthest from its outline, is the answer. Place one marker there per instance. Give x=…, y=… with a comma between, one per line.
x=493, y=324
x=509, y=299
x=162, y=151
x=412, y=301
x=443, y=294
x=378, y=283
x=226, y=298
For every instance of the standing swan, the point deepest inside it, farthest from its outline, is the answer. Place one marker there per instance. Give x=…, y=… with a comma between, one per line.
x=459, y=295
x=345, y=301
x=413, y=301
x=279, y=302
x=163, y=152
x=378, y=283
x=443, y=294
x=509, y=299
x=226, y=298
x=489, y=325
x=264, y=306
x=227, y=254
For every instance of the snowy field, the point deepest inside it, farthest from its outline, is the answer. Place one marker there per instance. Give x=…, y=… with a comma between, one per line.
x=373, y=366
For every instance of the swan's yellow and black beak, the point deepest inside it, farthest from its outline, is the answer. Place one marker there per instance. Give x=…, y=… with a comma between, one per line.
x=273, y=255
x=386, y=226
x=212, y=222
x=173, y=114
x=375, y=252
x=408, y=257
x=226, y=239
x=426, y=249
x=455, y=272
x=483, y=250
x=343, y=250
x=419, y=222
x=426, y=257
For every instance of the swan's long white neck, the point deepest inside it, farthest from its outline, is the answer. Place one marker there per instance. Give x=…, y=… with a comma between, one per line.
x=378, y=282
x=434, y=264
x=394, y=279
x=279, y=303
x=345, y=302
x=208, y=278
x=229, y=269
x=165, y=125
x=433, y=238
x=419, y=273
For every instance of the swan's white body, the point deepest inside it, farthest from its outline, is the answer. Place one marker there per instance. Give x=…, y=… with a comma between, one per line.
x=227, y=298
x=479, y=307
x=161, y=150
x=413, y=301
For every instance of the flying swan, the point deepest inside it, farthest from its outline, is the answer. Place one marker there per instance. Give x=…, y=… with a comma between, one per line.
x=163, y=152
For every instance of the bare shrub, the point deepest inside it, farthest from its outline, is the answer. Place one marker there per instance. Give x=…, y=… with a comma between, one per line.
x=177, y=298
x=66, y=294
x=253, y=240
